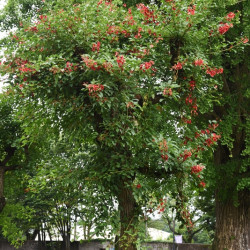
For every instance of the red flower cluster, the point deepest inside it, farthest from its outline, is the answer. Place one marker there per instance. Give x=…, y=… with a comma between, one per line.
x=95, y=88
x=33, y=29
x=130, y=19
x=224, y=27
x=24, y=69
x=43, y=18
x=196, y=169
x=191, y=85
x=147, y=65
x=69, y=67
x=202, y=184
x=138, y=35
x=210, y=141
x=191, y=10
x=244, y=39
x=198, y=62
x=213, y=126
x=107, y=66
x=215, y=137
x=120, y=60
x=177, y=66
x=90, y=63
x=213, y=72
x=186, y=154
x=96, y=46
x=164, y=149
x=190, y=101
x=148, y=15
x=113, y=30
x=168, y=91
x=187, y=121
x=162, y=205
x=230, y=16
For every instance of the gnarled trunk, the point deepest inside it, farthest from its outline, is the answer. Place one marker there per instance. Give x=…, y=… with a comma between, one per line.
x=129, y=212
x=233, y=224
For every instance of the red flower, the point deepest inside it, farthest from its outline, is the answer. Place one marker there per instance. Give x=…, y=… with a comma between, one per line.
x=96, y=46
x=138, y=186
x=224, y=28
x=244, y=39
x=146, y=65
x=197, y=135
x=198, y=62
x=93, y=89
x=196, y=169
x=191, y=10
x=202, y=184
x=186, y=154
x=215, y=137
x=177, y=66
x=164, y=157
x=192, y=85
x=209, y=142
x=213, y=72
x=189, y=99
x=120, y=60
x=168, y=91
x=230, y=16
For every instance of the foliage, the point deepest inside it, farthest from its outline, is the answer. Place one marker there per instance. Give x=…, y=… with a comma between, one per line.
x=133, y=85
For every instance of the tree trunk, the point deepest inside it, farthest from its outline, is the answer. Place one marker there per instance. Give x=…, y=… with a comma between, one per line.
x=2, y=198
x=233, y=224
x=129, y=213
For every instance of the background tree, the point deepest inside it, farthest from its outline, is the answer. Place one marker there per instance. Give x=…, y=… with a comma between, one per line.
x=229, y=174
x=11, y=151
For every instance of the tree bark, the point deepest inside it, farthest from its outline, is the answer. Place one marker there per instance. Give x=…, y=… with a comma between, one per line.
x=233, y=224
x=232, y=229
x=129, y=213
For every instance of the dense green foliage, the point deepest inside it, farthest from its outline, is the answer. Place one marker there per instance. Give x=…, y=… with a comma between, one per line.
x=130, y=93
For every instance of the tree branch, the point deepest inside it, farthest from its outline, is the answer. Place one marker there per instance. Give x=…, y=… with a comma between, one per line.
x=10, y=168
x=10, y=152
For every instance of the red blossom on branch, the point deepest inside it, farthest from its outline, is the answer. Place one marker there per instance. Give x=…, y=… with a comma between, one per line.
x=191, y=85
x=177, y=66
x=120, y=61
x=186, y=154
x=202, y=184
x=148, y=14
x=244, y=39
x=196, y=169
x=230, y=16
x=198, y=62
x=90, y=63
x=224, y=27
x=147, y=65
x=191, y=10
x=96, y=46
x=168, y=92
x=214, y=71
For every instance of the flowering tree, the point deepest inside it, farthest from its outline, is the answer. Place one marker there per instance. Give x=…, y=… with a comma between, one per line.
x=134, y=83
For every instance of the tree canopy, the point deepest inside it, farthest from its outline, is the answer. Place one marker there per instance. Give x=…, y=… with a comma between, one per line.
x=135, y=87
